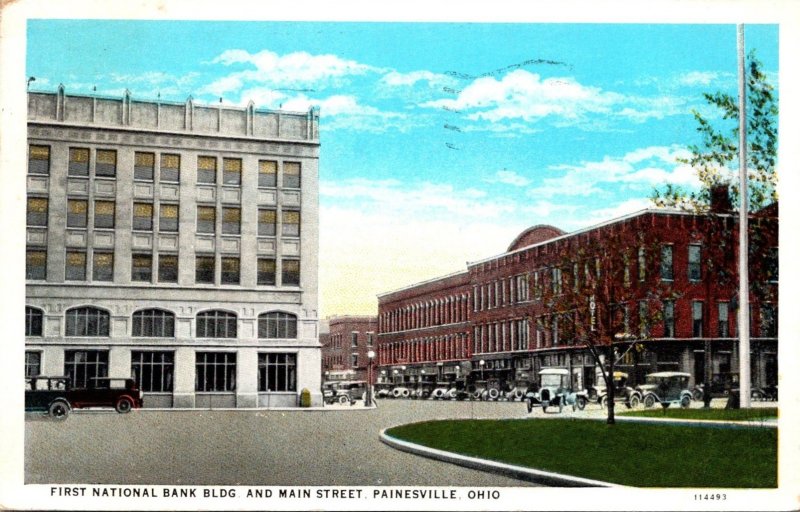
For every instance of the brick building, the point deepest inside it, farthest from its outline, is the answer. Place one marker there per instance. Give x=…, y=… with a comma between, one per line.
x=663, y=284
x=175, y=243
x=345, y=347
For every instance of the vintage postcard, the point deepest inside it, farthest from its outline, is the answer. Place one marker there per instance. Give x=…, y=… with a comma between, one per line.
x=450, y=256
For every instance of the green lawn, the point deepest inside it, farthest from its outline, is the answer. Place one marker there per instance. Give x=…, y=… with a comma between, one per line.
x=633, y=454
x=759, y=413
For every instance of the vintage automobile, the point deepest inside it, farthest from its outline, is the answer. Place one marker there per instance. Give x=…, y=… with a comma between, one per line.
x=58, y=397
x=344, y=392
x=423, y=390
x=555, y=390
x=401, y=391
x=383, y=390
x=623, y=393
x=48, y=394
x=666, y=388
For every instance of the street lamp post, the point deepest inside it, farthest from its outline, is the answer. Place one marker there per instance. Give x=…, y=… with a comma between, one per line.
x=482, y=363
x=370, y=359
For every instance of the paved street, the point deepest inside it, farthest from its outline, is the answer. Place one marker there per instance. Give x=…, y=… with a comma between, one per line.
x=201, y=447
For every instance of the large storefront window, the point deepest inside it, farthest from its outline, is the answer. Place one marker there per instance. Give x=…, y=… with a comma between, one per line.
x=215, y=371
x=277, y=372
x=83, y=365
x=153, y=371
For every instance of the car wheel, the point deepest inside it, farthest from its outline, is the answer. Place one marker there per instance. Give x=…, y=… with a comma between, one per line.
x=686, y=401
x=698, y=394
x=757, y=395
x=530, y=405
x=124, y=405
x=604, y=402
x=580, y=403
x=633, y=403
x=649, y=401
x=343, y=400
x=58, y=410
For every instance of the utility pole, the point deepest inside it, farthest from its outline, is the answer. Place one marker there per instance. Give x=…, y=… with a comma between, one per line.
x=744, y=285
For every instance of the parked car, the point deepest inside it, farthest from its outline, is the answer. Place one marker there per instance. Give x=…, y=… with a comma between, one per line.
x=401, y=392
x=344, y=392
x=119, y=393
x=383, y=390
x=666, y=388
x=623, y=393
x=48, y=394
x=555, y=390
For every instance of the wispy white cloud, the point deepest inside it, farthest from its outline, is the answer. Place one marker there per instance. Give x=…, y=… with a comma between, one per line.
x=397, y=79
x=694, y=78
x=508, y=178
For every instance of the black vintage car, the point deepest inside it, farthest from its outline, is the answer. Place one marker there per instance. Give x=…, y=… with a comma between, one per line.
x=57, y=396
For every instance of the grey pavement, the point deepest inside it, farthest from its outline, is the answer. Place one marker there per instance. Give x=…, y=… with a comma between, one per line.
x=337, y=446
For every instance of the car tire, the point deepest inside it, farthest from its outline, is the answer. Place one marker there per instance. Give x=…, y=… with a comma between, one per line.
x=529, y=403
x=697, y=394
x=58, y=410
x=757, y=395
x=633, y=403
x=494, y=394
x=686, y=401
x=124, y=405
x=649, y=401
x=343, y=400
x=580, y=403
x=604, y=402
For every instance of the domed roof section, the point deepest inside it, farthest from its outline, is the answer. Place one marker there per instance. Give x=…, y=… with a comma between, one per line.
x=535, y=235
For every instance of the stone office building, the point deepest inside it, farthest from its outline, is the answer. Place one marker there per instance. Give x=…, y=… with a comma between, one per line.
x=175, y=243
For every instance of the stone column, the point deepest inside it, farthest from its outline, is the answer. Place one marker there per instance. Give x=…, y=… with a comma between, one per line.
x=184, y=377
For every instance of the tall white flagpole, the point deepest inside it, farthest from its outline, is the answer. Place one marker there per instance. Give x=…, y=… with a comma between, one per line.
x=744, y=285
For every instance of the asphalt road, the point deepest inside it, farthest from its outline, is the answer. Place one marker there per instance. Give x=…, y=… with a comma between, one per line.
x=229, y=447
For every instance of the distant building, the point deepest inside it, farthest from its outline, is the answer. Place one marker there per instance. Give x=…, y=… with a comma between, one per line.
x=175, y=243
x=346, y=345
x=659, y=285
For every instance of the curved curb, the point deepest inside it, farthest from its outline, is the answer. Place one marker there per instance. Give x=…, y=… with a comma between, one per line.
x=519, y=472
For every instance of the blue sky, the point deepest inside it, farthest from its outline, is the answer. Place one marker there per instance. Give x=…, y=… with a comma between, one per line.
x=440, y=142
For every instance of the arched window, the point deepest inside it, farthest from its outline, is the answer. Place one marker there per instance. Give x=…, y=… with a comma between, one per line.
x=153, y=323
x=276, y=324
x=33, y=321
x=87, y=321
x=216, y=324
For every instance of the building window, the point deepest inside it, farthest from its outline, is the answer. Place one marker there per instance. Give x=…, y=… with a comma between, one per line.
x=771, y=265
x=78, y=162
x=86, y=321
x=106, y=163
x=266, y=271
x=277, y=324
x=354, y=360
x=230, y=270
x=231, y=171
x=723, y=328
x=76, y=213
x=36, y=264
x=694, y=263
x=537, y=286
x=267, y=173
x=168, y=218
x=171, y=168
x=667, y=273
x=167, y=268
x=768, y=328
x=34, y=318
x=556, y=281
x=522, y=288
x=104, y=214
x=697, y=319
x=81, y=366
x=33, y=363
x=144, y=165
x=153, y=323
x=669, y=319
x=266, y=222
x=215, y=371
x=103, y=266
x=291, y=174
x=206, y=219
x=204, y=270
x=370, y=336
x=277, y=372
x=290, y=274
x=39, y=160
x=642, y=264
x=143, y=216
x=644, y=321
x=231, y=221
x=216, y=324
x=153, y=371
x=206, y=169
x=142, y=268
x=37, y=211
x=354, y=339
x=290, y=223
x=626, y=270
x=76, y=266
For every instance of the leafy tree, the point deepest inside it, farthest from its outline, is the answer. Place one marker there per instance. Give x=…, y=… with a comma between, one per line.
x=719, y=148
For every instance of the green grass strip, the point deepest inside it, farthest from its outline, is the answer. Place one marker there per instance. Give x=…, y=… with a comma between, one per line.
x=633, y=454
x=756, y=414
